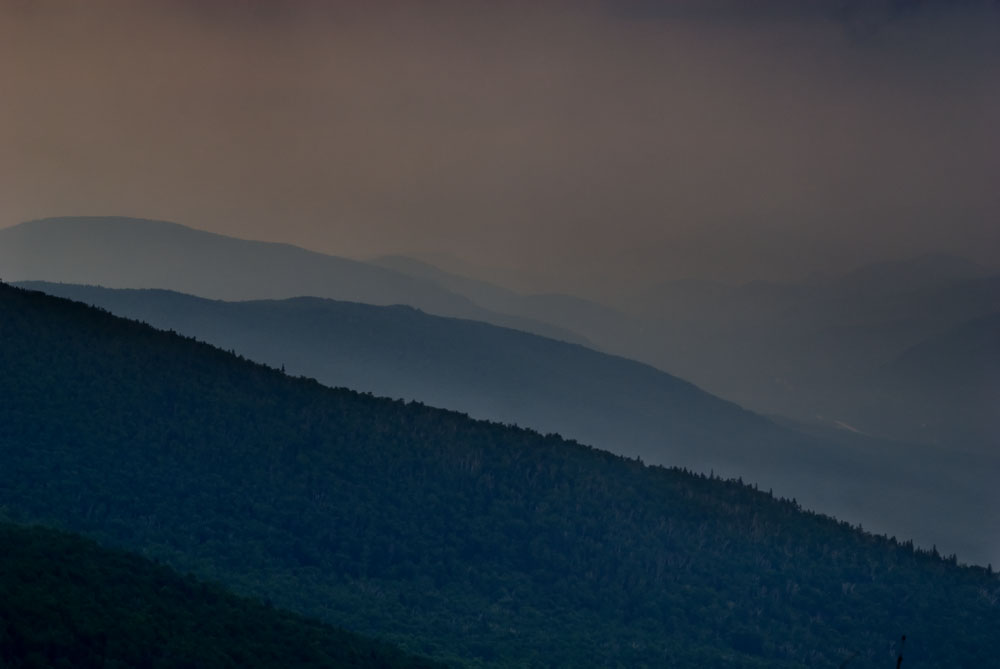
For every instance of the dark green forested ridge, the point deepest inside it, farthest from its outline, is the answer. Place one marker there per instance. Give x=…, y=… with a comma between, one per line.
x=469, y=541
x=611, y=403
x=67, y=602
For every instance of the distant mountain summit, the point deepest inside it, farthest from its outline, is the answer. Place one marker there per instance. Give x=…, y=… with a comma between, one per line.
x=120, y=252
x=809, y=350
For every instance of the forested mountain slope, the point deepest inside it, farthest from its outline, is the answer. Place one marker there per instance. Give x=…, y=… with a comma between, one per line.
x=67, y=602
x=474, y=542
x=612, y=403
x=489, y=372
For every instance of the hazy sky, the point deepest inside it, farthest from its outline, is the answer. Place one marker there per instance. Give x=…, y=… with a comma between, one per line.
x=578, y=143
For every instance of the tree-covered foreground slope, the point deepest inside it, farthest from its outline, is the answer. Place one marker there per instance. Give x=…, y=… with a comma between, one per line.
x=611, y=403
x=473, y=542
x=67, y=602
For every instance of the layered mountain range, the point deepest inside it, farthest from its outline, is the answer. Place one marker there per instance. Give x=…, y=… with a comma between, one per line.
x=613, y=403
x=821, y=350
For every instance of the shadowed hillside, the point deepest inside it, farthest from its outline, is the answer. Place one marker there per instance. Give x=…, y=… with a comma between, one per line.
x=470, y=541
x=612, y=403
x=66, y=602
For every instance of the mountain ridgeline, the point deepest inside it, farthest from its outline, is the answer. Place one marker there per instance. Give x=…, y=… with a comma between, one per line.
x=952, y=381
x=813, y=350
x=489, y=372
x=125, y=252
x=475, y=543
x=67, y=602
x=820, y=350
x=612, y=403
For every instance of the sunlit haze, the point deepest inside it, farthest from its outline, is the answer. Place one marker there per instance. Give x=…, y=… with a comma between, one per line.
x=589, y=147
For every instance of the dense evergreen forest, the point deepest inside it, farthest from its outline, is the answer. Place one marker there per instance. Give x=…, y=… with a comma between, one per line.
x=476, y=543
x=67, y=602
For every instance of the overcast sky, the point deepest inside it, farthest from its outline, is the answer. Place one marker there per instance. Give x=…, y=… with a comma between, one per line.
x=584, y=145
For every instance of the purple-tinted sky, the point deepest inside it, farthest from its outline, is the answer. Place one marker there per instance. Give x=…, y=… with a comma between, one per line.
x=582, y=144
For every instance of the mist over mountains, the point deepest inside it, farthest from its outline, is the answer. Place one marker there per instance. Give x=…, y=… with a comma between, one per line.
x=819, y=350
x=625, y=333
x=813, y=351
x=606, y=328
x=810, y=350
x=880, y=388
x=120, y=252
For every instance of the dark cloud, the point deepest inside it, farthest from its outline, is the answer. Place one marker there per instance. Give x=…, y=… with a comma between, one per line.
x=860, y=19
x=791, y=9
